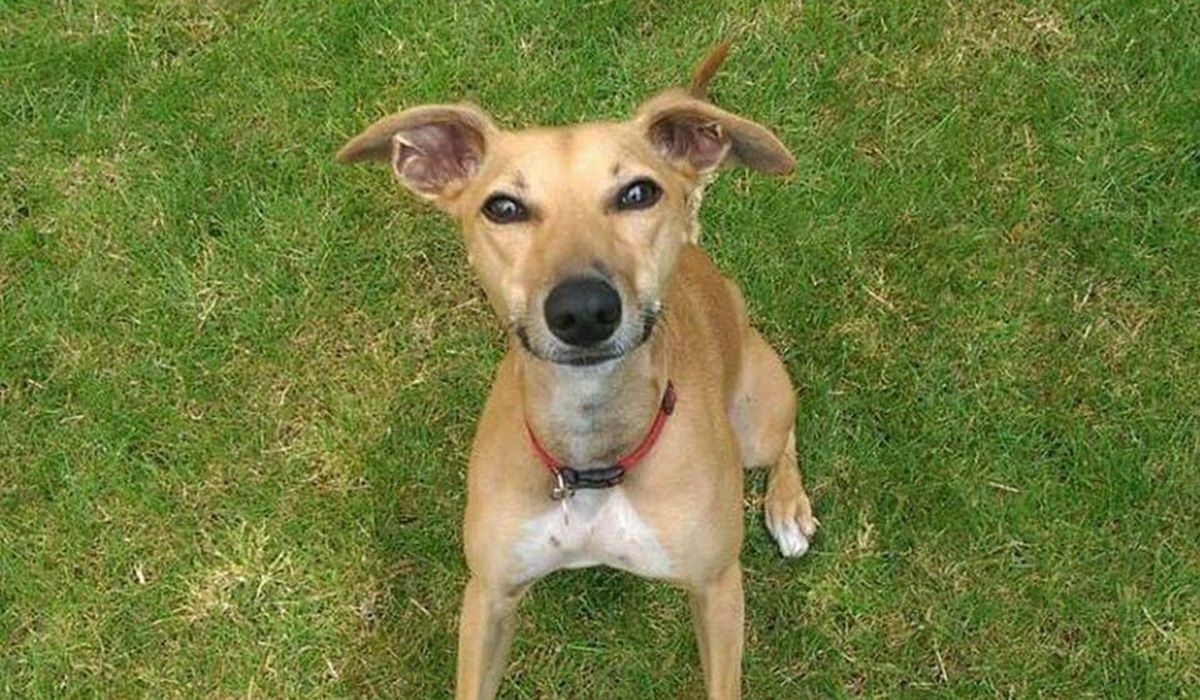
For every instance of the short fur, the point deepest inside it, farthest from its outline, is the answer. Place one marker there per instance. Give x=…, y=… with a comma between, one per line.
x=678, y=515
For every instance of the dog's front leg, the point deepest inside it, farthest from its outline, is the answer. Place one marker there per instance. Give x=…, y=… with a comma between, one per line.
x=484, y=636
x=717, y=612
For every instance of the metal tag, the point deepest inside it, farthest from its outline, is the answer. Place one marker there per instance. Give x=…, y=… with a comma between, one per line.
x=561, y=491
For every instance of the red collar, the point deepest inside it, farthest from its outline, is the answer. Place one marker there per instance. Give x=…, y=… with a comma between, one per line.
x=570, y=479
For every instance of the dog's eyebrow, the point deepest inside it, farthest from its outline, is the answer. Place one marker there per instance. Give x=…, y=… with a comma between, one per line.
x=616, y=170
x=518, y=181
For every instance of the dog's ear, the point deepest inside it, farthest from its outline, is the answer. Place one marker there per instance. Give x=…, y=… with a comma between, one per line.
x=700, y=137
x=694, y=134
x=434, y=150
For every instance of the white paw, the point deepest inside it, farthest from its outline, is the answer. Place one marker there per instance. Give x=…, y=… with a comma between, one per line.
x=786, y=531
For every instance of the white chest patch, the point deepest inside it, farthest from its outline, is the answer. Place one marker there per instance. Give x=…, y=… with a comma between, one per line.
x=599, y=527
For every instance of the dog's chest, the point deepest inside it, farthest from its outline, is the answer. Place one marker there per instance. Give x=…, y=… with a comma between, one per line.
x=598, y=527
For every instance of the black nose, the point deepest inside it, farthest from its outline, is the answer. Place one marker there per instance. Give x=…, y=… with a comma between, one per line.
x=583, y=311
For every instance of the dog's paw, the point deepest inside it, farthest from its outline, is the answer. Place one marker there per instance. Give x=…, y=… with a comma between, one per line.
x=790, y=521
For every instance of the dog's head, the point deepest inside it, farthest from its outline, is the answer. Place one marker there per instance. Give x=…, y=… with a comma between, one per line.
x=574, y=231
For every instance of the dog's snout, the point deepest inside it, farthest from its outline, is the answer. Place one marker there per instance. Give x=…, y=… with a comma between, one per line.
x=583, y=311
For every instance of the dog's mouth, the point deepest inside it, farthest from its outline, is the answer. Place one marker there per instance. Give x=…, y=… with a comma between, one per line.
x=613, y=349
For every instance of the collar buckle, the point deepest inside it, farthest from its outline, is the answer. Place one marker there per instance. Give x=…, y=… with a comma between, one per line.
x=567, y=480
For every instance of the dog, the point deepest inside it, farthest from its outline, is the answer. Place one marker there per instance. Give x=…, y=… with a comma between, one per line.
x=634, y=391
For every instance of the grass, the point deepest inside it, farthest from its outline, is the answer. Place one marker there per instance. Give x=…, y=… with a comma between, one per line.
x=238, y=383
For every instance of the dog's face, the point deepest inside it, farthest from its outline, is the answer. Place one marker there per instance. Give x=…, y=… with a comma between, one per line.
x=574, y=231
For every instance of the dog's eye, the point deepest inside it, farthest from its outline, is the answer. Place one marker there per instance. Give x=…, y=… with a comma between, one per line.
x=502, y=209
x=638, y=194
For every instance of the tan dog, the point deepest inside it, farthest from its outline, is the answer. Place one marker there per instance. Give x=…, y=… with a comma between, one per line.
x=627, y=348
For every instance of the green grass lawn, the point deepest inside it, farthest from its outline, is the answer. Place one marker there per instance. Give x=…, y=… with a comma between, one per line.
x=238, y=383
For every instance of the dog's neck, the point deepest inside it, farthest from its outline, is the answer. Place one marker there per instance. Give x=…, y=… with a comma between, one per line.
x=589, y=417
